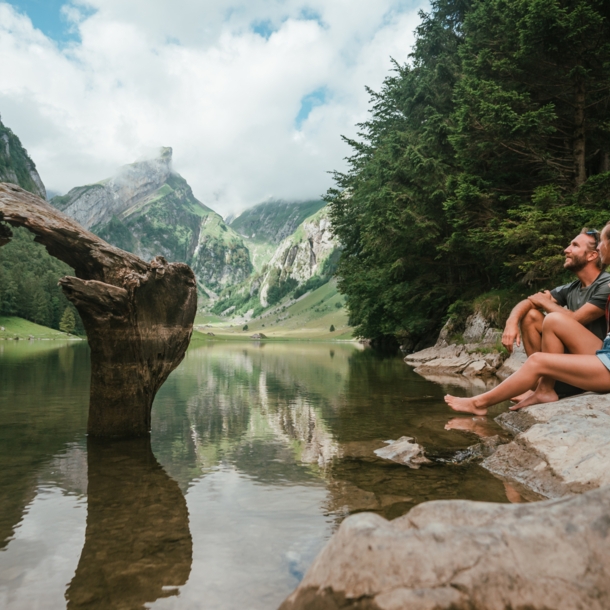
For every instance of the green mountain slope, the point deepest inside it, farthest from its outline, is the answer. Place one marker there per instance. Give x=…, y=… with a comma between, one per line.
x=273, y=221
x=28, y=273
x=15, y=164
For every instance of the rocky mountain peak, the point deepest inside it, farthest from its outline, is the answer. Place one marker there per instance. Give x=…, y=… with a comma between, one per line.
x=94, y=204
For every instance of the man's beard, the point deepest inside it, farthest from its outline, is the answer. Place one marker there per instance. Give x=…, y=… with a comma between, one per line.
x=576, y=264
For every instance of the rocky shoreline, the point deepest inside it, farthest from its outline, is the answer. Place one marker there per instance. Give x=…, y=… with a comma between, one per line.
x=462, y=555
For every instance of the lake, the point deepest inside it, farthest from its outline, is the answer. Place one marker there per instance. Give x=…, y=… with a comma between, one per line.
x=258, y=451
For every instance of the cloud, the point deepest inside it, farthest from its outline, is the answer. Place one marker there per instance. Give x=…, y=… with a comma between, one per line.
x=252, y=95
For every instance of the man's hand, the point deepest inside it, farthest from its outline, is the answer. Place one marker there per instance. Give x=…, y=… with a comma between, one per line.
x=510, y=335
x=541, y=300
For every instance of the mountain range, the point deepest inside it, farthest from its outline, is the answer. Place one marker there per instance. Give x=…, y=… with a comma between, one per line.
x=269, y=252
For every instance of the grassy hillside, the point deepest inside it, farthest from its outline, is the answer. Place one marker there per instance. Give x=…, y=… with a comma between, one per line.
x=308, y=318
x=273, y=221
x=24, y=329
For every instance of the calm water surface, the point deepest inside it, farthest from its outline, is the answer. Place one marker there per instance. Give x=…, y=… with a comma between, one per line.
x=258, y=451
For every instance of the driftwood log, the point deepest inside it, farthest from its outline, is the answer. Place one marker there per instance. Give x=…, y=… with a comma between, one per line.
x=138, y=316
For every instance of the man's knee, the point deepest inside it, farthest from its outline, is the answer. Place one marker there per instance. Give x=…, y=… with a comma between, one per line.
x=532, y=319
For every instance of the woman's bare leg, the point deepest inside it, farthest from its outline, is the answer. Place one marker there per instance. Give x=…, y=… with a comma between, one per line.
x=559, y=332
x=587, y=372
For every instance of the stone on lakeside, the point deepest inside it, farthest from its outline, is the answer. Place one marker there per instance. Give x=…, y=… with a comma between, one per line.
x=463, y=555
x=258, y=336
x=561, y=448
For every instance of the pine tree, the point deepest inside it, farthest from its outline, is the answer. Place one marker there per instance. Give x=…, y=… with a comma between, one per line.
x=41, y=308
x=68, y=322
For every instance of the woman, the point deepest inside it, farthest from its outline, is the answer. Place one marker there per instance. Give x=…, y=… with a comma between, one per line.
x=579, y=368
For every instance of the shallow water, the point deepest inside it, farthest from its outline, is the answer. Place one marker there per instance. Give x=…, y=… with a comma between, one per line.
x=257, y=453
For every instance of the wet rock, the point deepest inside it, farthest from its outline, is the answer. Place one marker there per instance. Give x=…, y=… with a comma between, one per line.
x=461, y=555
x=561, y=448
x=138, y=316
x=403, y=451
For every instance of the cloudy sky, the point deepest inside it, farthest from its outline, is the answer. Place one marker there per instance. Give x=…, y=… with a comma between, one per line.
x=253, y=95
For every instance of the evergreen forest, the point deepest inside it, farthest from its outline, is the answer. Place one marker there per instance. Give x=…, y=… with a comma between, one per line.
x=482, y=157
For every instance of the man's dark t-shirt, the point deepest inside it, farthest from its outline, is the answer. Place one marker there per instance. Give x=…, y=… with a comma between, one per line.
x=574, y=296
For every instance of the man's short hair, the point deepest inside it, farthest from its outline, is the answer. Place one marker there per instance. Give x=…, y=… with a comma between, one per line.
x=595, y=235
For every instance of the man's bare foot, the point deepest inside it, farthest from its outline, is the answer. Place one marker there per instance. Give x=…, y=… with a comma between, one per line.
x=465, y=405
x=478, y=425
x=538, y=397
x=522, y=396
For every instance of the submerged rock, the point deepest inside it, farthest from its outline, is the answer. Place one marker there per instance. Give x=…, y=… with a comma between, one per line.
x=403, y=451
x=462, y=555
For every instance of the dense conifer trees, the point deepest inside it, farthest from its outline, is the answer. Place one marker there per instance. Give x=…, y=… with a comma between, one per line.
x=480, y=159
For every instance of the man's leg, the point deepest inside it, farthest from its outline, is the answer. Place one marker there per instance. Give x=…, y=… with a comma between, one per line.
x=531, y=335
x=531, y=331
x=560, y=332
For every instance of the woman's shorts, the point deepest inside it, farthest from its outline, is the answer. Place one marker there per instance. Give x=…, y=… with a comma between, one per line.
x=604, y=353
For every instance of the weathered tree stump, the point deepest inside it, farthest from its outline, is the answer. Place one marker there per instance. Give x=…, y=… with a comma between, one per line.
x=138, y=316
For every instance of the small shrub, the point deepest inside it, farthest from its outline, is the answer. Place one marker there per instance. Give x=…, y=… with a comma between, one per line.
x=332, y=328
x=245, y=327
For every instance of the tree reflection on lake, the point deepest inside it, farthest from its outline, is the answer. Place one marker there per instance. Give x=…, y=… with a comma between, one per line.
x=260, y=449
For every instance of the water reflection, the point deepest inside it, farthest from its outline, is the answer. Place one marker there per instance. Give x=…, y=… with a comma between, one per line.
x=43, y=407
x=268, y=446
x=138, y=546
x=297, y=413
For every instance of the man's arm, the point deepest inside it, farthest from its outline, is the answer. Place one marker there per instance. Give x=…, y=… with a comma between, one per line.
x=585, y=314
x=511, y=330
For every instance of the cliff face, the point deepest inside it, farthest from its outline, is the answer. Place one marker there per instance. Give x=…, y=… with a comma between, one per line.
x=302, y=255
x=150, y=210
x=16, y=166
x=274, y=221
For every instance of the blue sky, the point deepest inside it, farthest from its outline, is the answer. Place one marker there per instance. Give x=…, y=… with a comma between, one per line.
x=46, y=15
x=253, y=95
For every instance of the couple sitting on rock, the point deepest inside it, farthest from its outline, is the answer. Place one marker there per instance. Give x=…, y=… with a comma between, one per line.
x=567, y=345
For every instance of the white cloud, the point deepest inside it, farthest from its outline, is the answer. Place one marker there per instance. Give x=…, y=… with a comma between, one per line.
x=195, y=76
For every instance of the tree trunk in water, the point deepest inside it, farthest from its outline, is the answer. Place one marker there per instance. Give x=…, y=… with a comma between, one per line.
x=578, y=147
x=138, y=316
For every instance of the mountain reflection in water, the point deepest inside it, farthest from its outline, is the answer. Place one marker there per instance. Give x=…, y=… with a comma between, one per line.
x=260, y=450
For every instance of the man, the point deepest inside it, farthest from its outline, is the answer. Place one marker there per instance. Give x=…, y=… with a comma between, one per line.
x=585, y=299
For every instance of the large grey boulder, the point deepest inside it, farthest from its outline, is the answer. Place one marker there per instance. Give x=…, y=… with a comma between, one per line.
x=561, y=447
x=462, y=555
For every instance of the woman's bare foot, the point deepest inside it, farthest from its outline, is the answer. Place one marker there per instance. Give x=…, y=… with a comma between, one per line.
x=465, y=405
x=522, y=396
x=538, y=397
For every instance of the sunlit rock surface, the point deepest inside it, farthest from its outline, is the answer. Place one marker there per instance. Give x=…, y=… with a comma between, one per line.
x=561, y=448
x=462, y=555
